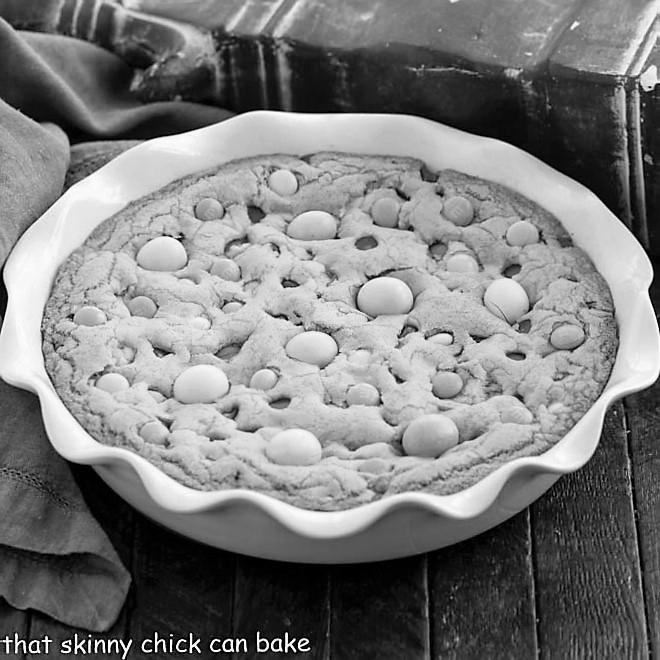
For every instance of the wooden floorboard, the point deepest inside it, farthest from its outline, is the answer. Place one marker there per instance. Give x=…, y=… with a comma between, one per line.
x=588, y=585
x=482, y=595
x=13, y=623
x=180, y=589
x=380, y=610
x=643, y=420
x=277, y=600
x=644, y=424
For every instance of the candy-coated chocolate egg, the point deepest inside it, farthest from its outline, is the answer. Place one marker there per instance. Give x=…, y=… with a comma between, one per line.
x=313, y=226
x=567, y=337
x=458, y=210
x=444, y=338
x=507, y=299
x=162, y=253
x=283, y=182
x=89, y=315
x=385, y=212
x=312, y=347
x=363, y=394
x=294, y=447
x=226, y=269
x=446, y=384
x=430, y=436
x=385, y=295
x=201, y=383
x=208, y=209
x=462, y=262
x=142, y=306
x=112, y=383
x=522, y=233
x=154, y=432
x=264, y=379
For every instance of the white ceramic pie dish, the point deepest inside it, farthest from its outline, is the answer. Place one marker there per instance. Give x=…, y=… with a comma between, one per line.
x=256, y=524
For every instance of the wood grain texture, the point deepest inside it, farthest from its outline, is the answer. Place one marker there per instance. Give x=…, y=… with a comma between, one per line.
x=208, y=14
x=643, y=419
x=180, y=588
x=42, y=625
x=607, y=36
x=650, y=144
x=482, y=595
x=277, y=598
x=503, y=34
x=12, y=621
x=555, y=78
x=587, y=127
x=588, y=586
x=380, y=610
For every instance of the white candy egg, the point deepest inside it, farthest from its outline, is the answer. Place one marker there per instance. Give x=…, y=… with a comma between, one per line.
x=208, y=209
x=283, y=182
x=567, y=337
x=461, y=262
x=385, y=295
x=430, y=436
x=522, y=233
x=226, y=269
x=312, y=347
x=201, y=383
x=162, y=253
x=363, y=394
x=385, y=212
x=112, y=383
x=506, y=299
x=313, y=226
x=263, y=379
x=458, y=210
x=89, y=315
x=294, y=447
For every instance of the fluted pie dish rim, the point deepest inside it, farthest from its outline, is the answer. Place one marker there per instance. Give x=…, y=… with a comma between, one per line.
x=272, y=528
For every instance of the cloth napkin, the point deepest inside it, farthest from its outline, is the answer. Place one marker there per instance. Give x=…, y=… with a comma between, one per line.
x=54, y=556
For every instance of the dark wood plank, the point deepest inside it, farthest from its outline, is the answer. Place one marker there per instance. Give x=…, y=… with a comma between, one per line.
x=13, y=623
x=208, y=14
x=594, y=152
x=607, y=35
x=650, y=125
x=181, y=588
x=66, y=639
x=643, y=419
x=555, y=78
x=482, y=595
x=644, y=423
x=506, y=34
x=588, y=586
x=278, y=600
x=380, y=610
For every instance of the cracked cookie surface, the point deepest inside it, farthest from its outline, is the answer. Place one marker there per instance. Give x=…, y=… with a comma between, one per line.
x=512, y=380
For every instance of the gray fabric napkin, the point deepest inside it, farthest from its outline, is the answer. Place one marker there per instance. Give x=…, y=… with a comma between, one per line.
x=54, y=557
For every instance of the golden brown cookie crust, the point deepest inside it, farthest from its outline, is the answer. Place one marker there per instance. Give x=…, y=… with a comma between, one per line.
x=290, y=285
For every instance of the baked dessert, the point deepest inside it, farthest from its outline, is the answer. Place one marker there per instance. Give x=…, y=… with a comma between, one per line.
x=329, y=329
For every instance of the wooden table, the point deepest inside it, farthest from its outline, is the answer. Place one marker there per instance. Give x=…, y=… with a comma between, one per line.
x=576, y=575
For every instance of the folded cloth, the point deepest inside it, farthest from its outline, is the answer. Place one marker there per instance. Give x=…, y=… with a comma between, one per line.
x=54, y=557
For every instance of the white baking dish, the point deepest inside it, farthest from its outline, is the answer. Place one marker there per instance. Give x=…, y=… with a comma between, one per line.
x=257, y=524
